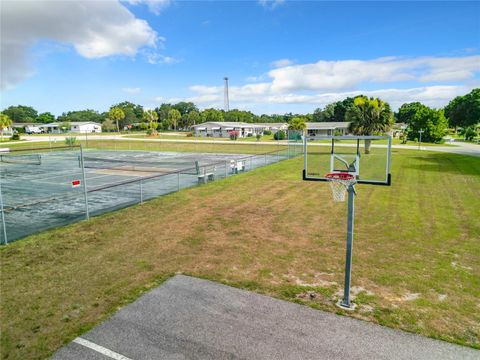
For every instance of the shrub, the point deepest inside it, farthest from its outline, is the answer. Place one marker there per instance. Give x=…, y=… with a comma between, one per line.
x=249, y=135
x=189, y=134
x=15, y=136
x=259, y=136
x=70, y=141
x=149, y=132
x=279, y=135
x=470, y=134
x=233, y=134
x=267, y=132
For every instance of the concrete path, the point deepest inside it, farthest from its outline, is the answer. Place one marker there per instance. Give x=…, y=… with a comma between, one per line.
x=189, y=318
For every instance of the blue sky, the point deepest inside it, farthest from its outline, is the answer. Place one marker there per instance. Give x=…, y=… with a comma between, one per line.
x=280, y=56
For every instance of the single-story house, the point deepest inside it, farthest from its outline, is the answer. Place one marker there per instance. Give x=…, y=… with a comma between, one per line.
x=273, y=127
x=75, y=126
x=223, y=129
x=29, y=128
x=327, y=128
x=398, y=129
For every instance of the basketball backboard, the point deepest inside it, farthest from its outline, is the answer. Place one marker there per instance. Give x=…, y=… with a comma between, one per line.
x=365, y=157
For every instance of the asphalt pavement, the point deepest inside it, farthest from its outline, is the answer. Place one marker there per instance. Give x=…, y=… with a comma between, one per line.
x=190, y=318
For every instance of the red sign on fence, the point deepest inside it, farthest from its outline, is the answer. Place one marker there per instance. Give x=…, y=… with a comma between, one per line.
x=76, y=183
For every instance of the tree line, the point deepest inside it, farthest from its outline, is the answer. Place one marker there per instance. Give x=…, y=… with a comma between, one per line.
x=461, y=112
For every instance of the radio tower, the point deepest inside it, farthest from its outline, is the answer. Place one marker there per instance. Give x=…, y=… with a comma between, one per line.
x=226, y=104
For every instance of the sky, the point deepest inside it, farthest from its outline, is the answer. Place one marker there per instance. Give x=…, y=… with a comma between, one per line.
x=280, y=56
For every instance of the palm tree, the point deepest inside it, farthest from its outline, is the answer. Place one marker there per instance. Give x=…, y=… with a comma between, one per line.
x=297, y=123
x=173, y=117
x=151, y=116
x=369, y=116
x=5, y=123
x=116, y=114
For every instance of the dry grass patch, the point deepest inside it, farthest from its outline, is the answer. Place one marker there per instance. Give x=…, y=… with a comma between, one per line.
x=267, y=231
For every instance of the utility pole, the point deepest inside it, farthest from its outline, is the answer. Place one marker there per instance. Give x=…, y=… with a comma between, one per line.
x=226, y=104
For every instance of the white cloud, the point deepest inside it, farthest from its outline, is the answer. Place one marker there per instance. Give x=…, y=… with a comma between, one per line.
x=157, y=58
x=282, y=63
x=433, y=81
x=94, y=28
x=348, y=74
x=154, y=6
x=130, y=90
x=270, y=4
x=434, y=96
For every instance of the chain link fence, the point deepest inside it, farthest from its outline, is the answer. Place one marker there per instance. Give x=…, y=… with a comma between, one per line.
x=46, y=188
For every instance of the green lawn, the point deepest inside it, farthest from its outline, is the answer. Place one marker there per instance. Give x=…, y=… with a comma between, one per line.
x=416, y=262
x=158, y=146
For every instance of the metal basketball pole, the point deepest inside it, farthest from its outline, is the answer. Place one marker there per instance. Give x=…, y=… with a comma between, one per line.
x=345, y=303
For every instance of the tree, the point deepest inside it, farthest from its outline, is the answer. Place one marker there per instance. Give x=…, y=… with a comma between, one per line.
x=81, y=115
x=5, y=122
x=162, y=112
x=173, y=117
x=133, y=113
x=369, y=116
x=21, y=113
x=236, y=115
x=342, y=107
x=65, y=126
x=407, y=111
x=297, y=123
x=185, y=107
x=45, y=118
x=464, y=111
x=151, y=116
x=192, y=118
x=431, y=121
x=116, y=114
x=108, y=125
x=212, y=115
x=325, y=115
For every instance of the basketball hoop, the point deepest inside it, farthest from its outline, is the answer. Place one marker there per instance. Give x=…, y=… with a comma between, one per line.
x=339, y=182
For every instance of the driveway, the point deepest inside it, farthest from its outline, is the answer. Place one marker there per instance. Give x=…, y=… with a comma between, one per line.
x=190, y=318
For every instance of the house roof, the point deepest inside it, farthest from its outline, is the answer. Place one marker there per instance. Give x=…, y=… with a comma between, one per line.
x=78, y=123
x=327, y=125
x=224, y=124
x=26, y=124
x=272, y=124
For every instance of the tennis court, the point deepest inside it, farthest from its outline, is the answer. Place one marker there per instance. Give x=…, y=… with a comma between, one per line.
x=46, y=189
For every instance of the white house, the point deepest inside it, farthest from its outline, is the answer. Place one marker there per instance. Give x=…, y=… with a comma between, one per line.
x=85, y=127
x=327, y=128
x=223, y=129
x=75, y=126
x=273, y=127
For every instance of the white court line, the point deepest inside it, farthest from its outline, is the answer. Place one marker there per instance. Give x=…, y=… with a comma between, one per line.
x=100, y=349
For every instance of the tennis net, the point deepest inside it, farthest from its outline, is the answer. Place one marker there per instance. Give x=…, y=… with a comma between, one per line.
x=27, y=159
x=186, y=167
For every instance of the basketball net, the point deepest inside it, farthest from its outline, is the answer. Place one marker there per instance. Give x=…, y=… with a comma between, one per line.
x=339, y=183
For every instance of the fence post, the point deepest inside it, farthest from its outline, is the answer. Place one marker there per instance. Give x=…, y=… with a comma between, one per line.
x=84, y=178
x=3, y=216
x=141, y=192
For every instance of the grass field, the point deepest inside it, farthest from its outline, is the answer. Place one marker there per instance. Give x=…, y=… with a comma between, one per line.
x=416, y=262
x=268, y=138
x=161, y=146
